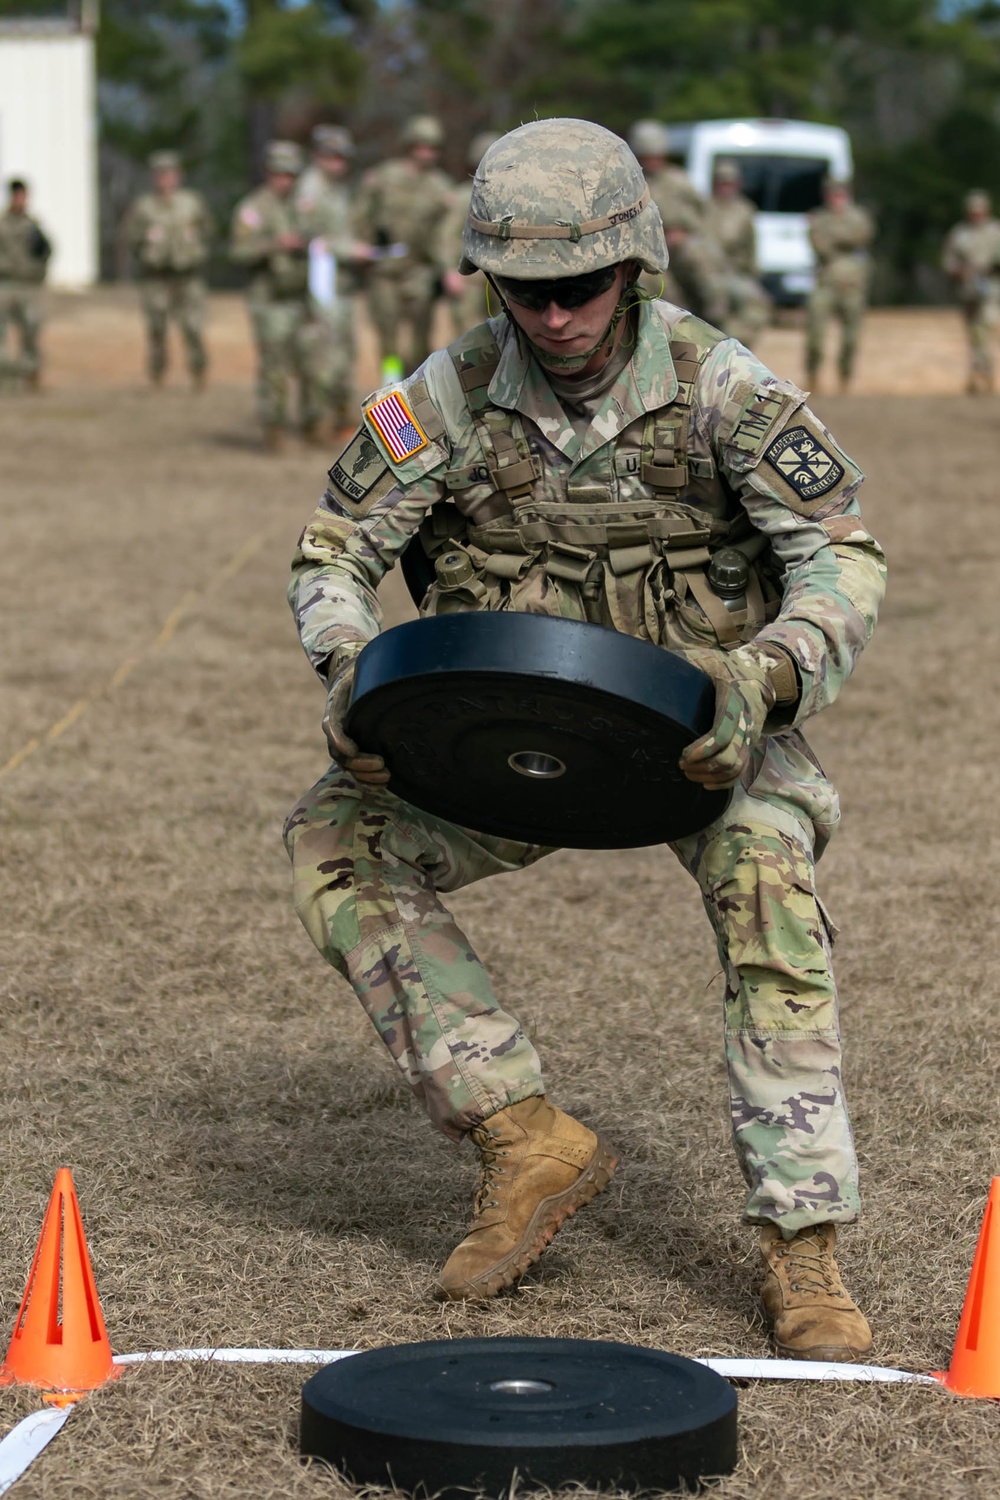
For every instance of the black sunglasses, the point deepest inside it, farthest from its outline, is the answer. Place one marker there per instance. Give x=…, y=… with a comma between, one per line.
x=569, y=292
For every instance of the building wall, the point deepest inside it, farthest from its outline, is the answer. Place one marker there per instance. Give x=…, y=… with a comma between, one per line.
x=48, y=136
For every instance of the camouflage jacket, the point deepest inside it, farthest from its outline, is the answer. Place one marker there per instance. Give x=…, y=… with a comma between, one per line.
x=326, y=210
x=169, y=233
x=679, y=201
x=730, y=221
x=840, y=240
x=259, y=220
x=399, y=206
x=24, y=248
x=695, y=445
x=971, y=257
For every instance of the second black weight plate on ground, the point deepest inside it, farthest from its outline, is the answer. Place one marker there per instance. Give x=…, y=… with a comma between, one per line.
x=465, y=1414
x=529, y=727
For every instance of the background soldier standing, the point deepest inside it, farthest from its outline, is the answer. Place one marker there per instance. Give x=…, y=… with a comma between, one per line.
x=169, y=231
x=729, y=219
x=467, y=295
x=840, y=234
x=271, y=238
x=322, y=200
x=24, y=257
x=400, y=209
x=694, y=279
x=971, y=258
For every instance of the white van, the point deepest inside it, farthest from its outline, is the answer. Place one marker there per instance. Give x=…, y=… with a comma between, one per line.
x=783, y=163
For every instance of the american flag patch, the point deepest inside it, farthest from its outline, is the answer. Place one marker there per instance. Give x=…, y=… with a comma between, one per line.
x=396, y=426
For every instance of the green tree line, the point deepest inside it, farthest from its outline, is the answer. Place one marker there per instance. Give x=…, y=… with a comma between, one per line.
x=916, y=82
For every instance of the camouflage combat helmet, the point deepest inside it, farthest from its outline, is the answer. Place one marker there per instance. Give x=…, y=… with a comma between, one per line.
x=283, y=156
x=560, y=198
x=649, y=138
x=332, y=140
x=422, y=130
x=726, y=170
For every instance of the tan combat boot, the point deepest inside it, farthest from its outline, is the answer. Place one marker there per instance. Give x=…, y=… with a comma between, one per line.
x=317, y=434
x=538, y=1167
x=275, y=440
x=810, y=1310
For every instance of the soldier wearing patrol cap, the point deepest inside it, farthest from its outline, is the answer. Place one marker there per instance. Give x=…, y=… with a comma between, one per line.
x=694, y=279
x=25, y=250
x=729, y=219
x=169, y=232
x=400, y=209
x=468, y=295
x=584, y=399
x=323, y=199
x=270, y=239
x=971, y=258
x=840, y=233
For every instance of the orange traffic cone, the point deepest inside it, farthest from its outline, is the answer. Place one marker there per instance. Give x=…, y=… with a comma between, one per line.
x=975, y=1363
x=71, y=1353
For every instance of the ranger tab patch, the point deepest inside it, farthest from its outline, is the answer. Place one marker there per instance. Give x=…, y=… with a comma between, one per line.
x=803, y=463
x=396, y=426
x=359, y=468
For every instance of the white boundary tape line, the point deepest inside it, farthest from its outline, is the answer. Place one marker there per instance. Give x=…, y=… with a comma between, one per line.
x=24, y=1442
x=731, y=1369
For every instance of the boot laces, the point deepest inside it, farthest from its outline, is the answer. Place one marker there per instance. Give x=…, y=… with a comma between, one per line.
x=811, y=1263
x=489, y=1167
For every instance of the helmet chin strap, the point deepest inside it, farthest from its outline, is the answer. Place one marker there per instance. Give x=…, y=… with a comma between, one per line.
x=571, y=364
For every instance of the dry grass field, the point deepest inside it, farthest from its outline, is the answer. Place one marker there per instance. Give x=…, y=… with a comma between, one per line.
x=249, y=1169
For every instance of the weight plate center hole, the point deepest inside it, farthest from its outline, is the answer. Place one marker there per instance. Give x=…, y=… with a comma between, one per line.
x=522, y=1387
x=536, y=764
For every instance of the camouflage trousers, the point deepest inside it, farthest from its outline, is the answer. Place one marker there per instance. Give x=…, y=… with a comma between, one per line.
x=334, y=357
x=180, y=296
x=20, y=312
x=844, y=303
x=368, y=874
x=395, y=299
x=473, y=306
x=292, y=342
x=981, y=316
x=749, y=309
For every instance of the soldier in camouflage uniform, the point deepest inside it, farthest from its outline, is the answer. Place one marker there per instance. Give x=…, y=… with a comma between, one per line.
x=971, y=258
x=729, y=219
x=589, y=453
x=323, y=201
x=400, y=210
x=468, y=295
x=696, y=278
x=24, y=257
x=169, y=232
x=270, y=237
x=840, y=234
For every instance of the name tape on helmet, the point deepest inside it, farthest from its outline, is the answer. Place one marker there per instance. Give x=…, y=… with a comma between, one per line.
x=506, y=229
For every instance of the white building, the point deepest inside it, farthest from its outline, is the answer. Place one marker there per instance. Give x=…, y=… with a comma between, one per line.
x=48, y=133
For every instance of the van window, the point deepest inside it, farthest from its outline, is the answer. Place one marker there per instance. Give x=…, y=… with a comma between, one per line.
x=781, y=184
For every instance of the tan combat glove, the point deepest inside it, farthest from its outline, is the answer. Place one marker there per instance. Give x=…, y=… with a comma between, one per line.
x=369, y=770
x=749, y=683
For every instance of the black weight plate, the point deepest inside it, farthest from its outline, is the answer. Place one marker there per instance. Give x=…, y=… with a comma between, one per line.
x=458, y=702
x=464, y=1414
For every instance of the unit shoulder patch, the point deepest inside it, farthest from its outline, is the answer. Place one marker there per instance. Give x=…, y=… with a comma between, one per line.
x=397, y=427
x=356, y=475
x=805, y=465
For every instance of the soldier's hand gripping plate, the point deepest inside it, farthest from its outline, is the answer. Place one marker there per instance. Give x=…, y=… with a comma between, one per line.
x=535, y=728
